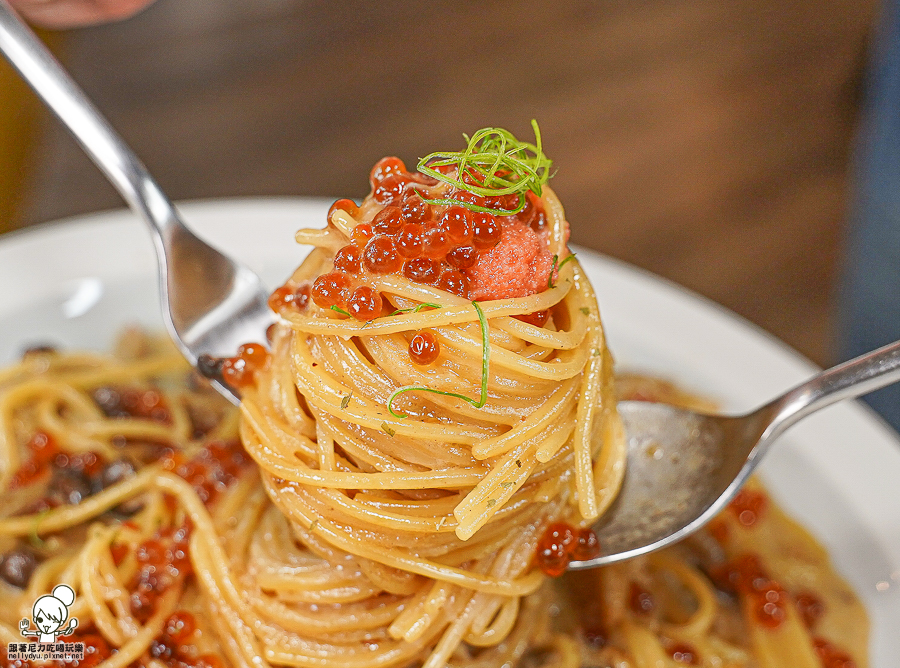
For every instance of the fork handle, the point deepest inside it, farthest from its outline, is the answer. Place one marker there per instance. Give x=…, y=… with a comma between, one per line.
x=849, y=380
x=100, y=141
x=183, y=258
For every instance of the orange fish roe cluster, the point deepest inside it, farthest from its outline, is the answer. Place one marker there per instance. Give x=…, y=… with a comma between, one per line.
x=240, y=371
x=211, y=470
x=682, y=652
x=43, y=451
x=746, y=575
x=831, y=656
x=96, y=649
x=810, y=607
x=748, y=506
x=473, y=254
x=163, y=562
x=175, y=645
x=562, y=543
x=125, y=402
x=641, y=601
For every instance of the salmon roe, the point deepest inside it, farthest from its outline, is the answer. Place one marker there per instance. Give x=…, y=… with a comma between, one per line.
x=424, y=348
x=414, y=208
x=810, y=608
x=173, y=646
x=348, y=259
x=435, y=245
x=212, y=470
x=331, y=289
x=289, y=297
x=640, y=600
x=562, y=543
x=240, y=370
x=361, y=234
x=347, y=205
x=381, y=257
x=96, y=649
x=831, y=656
x=748, y=506
x=538, y=318
x=365, y=304
x=746, y=576
x=162, y=563
x=43, y=451
x=682, y=652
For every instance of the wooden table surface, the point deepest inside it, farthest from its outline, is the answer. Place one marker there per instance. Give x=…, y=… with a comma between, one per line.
x=708, y=142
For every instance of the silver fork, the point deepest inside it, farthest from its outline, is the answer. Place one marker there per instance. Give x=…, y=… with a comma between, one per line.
x=211, y=304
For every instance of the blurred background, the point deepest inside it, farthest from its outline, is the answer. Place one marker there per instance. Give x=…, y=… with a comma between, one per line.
x=708, y=142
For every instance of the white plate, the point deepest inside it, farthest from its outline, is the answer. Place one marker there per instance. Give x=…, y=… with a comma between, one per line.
x=77, y=283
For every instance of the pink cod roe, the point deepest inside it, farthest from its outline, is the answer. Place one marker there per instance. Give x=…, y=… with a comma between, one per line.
x=516, y=267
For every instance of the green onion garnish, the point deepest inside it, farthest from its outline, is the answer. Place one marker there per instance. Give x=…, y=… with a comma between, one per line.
x=497, y=163
x=485, y=360
x=555, y=267
x=33, y=536
x=475, y=207
x=414, y=309
x=411, y=309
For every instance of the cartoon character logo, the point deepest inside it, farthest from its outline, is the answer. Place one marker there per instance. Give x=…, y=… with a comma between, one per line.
x=49, y=614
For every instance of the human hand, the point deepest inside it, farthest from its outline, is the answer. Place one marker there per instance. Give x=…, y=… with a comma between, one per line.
x=72, y=13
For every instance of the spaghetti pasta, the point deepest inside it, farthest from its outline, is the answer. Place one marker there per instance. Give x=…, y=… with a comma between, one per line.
x=372, y=507
x=258, y=588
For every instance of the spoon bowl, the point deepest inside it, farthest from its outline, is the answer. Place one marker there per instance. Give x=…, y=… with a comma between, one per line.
x=684, y=467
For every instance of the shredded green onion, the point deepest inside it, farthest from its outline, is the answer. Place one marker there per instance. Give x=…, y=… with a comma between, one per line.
x=497, y=162
x=411, y=309
x=475, y=207
x=34, y=536
x=414, y=309
x=556, y=267
x=485, y=360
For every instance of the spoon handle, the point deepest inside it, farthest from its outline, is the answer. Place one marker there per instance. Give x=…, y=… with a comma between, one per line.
x=849, y=380
x=100, y=141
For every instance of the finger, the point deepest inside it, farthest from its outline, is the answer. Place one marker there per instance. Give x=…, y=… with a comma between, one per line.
x=71, y=13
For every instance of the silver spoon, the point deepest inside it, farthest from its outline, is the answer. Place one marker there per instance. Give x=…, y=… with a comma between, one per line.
x=684, y=467
x=211, y=304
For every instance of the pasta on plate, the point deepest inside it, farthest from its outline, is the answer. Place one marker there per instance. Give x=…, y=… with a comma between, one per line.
x=419, y=453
